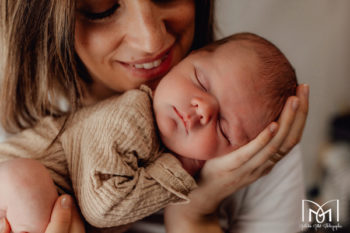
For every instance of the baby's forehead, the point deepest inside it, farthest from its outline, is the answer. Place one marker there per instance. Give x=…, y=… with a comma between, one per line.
x=229, y=45
x=226, y=51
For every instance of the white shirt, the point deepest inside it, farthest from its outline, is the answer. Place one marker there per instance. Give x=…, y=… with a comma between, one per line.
x=271, y=204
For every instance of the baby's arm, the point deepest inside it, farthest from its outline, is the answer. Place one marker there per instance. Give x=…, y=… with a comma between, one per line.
x=34, y=143
x=19, y=184
x=27, y=195
x=117, y=171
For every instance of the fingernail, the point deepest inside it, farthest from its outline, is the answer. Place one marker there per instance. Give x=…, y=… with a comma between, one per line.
x=2, y=225
x=295, y=104
x=306, y=90
x=273, y=128
x=66, y=202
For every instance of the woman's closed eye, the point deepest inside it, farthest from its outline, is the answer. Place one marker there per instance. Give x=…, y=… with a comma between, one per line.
x=96, y=16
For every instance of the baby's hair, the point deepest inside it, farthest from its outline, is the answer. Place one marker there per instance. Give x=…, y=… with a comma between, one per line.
x=274, y=70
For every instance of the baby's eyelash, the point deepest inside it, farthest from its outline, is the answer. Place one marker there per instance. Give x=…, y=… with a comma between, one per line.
x=199, y=81
x=101, y=15
x=222, y=131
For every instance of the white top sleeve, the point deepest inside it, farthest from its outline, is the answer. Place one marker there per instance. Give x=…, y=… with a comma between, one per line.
x=3, y=134
x=271, y=204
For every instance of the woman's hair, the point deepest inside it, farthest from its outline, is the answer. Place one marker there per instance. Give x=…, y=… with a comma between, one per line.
x=38, y=63
x=204, y=23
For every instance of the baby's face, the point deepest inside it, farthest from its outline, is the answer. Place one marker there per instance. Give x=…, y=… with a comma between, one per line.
x=209, y=104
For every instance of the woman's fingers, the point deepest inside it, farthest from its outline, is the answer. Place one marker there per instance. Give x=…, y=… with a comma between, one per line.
x=263, y=169
x=61, y=216
x=286, y=120
x=297, y=128
x=240, y=156
x=271, y=150
x=65, y=218
x=4, y=226
x=77, y=225
x=264, y=146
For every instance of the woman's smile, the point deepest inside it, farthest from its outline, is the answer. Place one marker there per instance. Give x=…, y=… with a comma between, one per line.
x=137, y=44
x=150, y=68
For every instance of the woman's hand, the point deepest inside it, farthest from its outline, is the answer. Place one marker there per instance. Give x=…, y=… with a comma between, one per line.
x=295, y=131
x=219, y=178
x=224, y=175
x=64, y=218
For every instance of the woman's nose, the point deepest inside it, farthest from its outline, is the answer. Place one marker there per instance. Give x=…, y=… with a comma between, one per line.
x=205, y=108
x=145, y=26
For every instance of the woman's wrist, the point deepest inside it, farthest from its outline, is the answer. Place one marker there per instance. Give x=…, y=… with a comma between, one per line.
x=185, y=218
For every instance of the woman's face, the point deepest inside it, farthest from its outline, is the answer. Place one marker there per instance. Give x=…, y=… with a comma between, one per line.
x=126, y=43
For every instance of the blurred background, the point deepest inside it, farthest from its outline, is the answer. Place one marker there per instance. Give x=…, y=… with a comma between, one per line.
x=315, y=36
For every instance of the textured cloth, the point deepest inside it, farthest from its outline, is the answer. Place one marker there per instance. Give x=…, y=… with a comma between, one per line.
x=112, y=155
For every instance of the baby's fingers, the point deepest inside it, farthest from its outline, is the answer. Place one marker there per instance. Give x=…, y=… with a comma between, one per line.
x=242, y=155
x=297, y=128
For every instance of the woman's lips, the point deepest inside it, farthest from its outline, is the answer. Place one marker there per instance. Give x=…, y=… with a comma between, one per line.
x=181, y=118
x=151, y=68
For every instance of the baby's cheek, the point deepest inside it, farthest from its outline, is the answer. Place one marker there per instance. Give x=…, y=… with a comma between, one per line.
x=204, y=148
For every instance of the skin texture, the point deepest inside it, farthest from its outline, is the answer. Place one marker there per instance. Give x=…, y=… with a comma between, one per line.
x=136, y=32
x=31, y=180
x=65, y=218
x=210, y=104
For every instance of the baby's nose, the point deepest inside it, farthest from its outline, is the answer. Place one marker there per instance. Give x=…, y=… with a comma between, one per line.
x=205, y=109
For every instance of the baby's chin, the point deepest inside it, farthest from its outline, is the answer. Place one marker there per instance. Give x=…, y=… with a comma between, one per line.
x=192, y=166
x=190, y=153
x=198, y=156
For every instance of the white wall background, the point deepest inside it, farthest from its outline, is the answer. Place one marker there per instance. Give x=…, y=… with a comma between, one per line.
x=315, y=36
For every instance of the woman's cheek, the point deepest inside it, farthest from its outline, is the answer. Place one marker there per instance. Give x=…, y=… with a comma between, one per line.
x=93, y=40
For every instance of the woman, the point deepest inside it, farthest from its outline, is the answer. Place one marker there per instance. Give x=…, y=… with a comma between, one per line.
x=88, y=50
